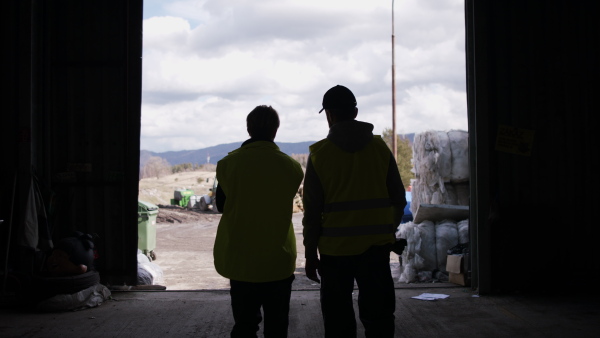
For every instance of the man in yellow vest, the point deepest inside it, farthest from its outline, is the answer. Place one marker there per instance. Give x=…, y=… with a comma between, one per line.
x=255, y=245
x=353, y=202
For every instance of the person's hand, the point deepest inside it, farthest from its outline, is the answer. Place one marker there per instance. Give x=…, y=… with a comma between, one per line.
x=311, y=267
x=399, y=246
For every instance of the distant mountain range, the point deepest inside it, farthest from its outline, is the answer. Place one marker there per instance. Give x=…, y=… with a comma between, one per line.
x=215, y=153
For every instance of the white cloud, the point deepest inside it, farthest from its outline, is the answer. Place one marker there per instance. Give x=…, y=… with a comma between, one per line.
x=207, y=63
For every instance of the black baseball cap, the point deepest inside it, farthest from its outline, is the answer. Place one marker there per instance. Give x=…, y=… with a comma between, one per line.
x=338, y=97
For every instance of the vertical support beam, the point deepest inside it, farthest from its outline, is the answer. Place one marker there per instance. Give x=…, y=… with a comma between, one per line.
x=476, y=15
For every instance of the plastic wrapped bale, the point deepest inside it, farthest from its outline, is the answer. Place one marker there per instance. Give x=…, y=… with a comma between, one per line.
x=432, y=157
x=459, y=146
x=446, y=235
x=419, y=195
x=148, y=273
x=144, y=277
x=420, y=252
x=440, y=160
x=463, y=231
x=444, y=163
x=87, y=298
x=409, y=257
x=427, y=250
x=408, y=274
x=425, y=194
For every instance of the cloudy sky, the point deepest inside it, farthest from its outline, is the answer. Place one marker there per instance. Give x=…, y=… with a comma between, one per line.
x=208, y=63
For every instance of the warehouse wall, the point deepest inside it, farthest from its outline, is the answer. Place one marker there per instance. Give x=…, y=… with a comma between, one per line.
x=74, y=123
x=533, y=67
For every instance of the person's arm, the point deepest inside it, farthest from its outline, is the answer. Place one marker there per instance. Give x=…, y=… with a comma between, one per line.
x=220, y=196
x=396, y=190
x=313, y=201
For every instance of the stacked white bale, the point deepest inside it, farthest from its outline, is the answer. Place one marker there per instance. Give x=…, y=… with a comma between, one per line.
x=427, y=231
x=409, y=257
x=441, y=168
x=420, y=252
x=459, y=147
x=446, y=237
x=463, y=231
x=427, y=246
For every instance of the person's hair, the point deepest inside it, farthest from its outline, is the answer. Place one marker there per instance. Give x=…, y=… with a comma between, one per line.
x=262, y=122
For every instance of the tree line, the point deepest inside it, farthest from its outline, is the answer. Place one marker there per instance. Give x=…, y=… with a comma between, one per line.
x=403, y=156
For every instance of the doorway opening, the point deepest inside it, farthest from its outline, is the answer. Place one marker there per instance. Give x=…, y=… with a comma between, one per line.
x=206, y=67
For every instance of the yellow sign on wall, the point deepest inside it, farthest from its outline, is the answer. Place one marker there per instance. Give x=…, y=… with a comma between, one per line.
x=514, y=140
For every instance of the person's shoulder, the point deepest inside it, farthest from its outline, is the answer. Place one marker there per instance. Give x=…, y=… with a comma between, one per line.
x=287, y=158
x=231, y=155
x=315, y=147
x=378, y=140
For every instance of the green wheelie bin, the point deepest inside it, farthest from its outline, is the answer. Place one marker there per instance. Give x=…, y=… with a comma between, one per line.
x=147, y=213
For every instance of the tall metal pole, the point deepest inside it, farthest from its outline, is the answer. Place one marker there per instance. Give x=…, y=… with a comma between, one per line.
x=394, y=136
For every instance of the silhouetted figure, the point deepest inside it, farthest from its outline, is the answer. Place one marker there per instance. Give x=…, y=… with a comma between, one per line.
x=353, y=202
x=255, y=245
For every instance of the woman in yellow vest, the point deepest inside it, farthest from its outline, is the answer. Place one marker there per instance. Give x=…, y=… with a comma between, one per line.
x=353, y=202
x=255, y=245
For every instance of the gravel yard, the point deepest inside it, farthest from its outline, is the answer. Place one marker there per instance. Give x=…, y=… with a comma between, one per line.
x=184, y=244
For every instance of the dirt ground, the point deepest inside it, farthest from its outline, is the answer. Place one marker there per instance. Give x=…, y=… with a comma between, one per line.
x=184, y=244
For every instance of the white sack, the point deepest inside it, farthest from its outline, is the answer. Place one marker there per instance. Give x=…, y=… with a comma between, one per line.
x=409, y=257
x=408, y=275
x=444, y=161
x=86, y=298
x=446, y=233
x=148, y=273
x=428, y=246
x=432, y=158
x=463, y=231
x=459, y=145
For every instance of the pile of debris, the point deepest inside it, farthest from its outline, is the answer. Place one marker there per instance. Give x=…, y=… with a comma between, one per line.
x=177, y=214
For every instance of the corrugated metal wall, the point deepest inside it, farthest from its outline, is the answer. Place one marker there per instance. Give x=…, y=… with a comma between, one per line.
x=534, y=66
x=78, y=73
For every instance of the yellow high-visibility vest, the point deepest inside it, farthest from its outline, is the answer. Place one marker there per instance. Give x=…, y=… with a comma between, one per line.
x=358, y=212
x=255, y=240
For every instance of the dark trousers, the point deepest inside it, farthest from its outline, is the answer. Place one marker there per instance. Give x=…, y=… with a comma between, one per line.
x=247, y=299
x=376, y=295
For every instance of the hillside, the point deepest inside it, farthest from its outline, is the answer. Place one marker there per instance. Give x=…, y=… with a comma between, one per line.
x=215, y=153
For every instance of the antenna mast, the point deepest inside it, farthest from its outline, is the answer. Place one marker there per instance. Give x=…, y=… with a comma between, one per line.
x=394, y=136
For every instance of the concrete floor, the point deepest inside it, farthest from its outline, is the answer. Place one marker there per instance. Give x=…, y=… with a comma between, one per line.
x=207, y=314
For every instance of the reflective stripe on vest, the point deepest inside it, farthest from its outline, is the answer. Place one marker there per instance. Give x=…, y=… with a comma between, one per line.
x=360, y=230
